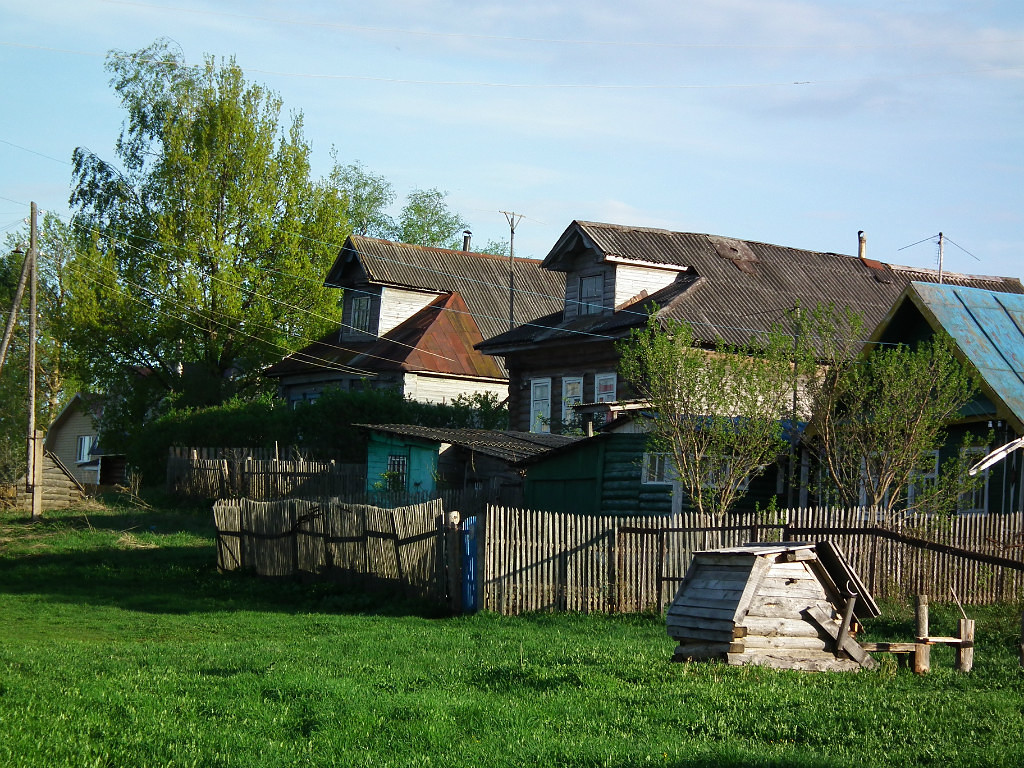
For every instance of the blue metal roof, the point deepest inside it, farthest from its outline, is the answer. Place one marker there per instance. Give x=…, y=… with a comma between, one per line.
x=988, y=328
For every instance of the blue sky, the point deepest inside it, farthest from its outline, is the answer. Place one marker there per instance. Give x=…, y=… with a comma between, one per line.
x=784, y=121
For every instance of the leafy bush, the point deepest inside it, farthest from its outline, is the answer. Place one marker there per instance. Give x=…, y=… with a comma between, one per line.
x=323, y=429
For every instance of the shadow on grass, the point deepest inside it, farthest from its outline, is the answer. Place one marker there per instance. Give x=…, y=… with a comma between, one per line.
x=141, y=573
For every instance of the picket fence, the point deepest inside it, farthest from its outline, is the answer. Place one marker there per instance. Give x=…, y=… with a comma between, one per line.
x=528, y=560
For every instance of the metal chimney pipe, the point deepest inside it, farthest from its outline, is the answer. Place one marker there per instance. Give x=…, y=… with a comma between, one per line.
x=862, y=245
x=466, y=237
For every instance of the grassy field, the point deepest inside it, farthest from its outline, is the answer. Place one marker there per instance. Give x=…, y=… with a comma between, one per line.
x=120, y=645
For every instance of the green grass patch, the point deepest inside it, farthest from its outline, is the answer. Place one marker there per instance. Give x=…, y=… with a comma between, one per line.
x=120, y=644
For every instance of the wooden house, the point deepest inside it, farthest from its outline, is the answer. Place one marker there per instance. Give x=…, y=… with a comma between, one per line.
x=411, y=317
x=789, y=606
x=726, y=288
x=72, y=439
x=988, y=336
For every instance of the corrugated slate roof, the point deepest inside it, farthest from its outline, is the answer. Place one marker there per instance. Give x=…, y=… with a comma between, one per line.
x=501, y=444
x=482, y=279
x=988, y=328
x=732, y=289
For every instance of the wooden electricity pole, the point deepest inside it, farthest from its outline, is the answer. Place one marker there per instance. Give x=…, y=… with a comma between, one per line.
x=34, y=476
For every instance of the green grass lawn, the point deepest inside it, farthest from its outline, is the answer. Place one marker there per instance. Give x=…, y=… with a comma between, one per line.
x=121, y=645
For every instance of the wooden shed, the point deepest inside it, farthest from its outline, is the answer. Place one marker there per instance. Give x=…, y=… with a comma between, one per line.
x=789, y=606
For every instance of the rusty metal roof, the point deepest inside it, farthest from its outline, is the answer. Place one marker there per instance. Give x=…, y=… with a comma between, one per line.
x=501, y=444
x=988, y=329
x=482, y=279
x=440, y=338
x=731, y=289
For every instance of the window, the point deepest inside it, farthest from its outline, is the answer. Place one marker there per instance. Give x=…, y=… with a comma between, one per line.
x=540, y=405
x=604, y=388
x=591, y=295
x=719, y=474
x=360, y=320
x=397, y=475
x=572, y=394
x=85, y=444
x=976, y=499
x=657, y=469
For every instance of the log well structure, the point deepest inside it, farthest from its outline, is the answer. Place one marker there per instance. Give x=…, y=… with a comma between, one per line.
x=788, y=606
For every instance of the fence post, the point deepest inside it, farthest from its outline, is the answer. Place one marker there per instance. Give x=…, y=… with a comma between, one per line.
x=965, y=651
x=453, y=560
x=922, y=652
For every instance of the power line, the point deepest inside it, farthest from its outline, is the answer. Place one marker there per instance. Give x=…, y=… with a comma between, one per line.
x=570, y=86
x=558, y=41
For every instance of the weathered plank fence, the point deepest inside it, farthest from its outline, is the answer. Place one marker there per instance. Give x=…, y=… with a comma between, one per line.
x=355, y=544
x=528, y=560
x=248, y=473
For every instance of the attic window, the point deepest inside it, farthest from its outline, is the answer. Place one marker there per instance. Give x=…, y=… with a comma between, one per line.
x=360, y=320
x=591, y=295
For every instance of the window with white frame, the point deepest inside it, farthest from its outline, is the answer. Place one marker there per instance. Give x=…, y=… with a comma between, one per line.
x=604, y=388
x=85, y=443
x=657, y=469
x=572, y=394
x=591, y=295
x=360, y=320
x=540, y=405
x=976, y=499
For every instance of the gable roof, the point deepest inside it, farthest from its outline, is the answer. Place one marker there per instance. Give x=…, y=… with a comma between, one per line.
x=730, y=289
x=506, y=445
x=481, y=278
x=440, y=338
x=988, y=330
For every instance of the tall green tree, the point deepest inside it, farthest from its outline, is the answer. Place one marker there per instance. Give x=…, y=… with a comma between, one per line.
x=426, y=219
x=55, y=382
x=202, y=248
x=881, y=415
x=717, y=412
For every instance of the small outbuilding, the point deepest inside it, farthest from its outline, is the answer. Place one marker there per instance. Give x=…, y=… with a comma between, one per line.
x=788, y=605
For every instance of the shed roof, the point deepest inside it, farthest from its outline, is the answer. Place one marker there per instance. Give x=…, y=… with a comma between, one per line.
x=506, y=445
x=731, y=289
x=988, y=329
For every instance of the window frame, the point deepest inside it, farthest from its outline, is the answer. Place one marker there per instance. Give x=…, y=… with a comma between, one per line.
x=657, y=469
x=591, y=303
x=540, y=419
x=360, y=313
x=598, y=378
x=569, y=416
x=88, y=441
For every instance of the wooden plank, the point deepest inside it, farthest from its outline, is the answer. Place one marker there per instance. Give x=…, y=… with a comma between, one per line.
x=721, y=612
x=785, y=641
x=775, y=627
x=844, y=641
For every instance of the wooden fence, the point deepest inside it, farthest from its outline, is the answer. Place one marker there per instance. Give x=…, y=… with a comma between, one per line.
x=360, y=545
x=528, y=560
x=241, y=473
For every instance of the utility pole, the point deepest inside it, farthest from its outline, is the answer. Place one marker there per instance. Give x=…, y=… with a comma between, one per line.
x=940, y=258
x=34, y=476
x=513, y=220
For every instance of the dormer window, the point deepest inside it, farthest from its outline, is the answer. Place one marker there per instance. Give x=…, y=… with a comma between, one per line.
x=591, y=295
x=360, y=320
